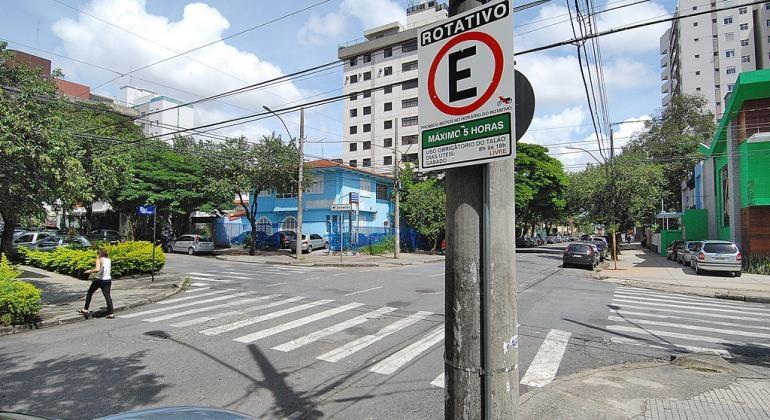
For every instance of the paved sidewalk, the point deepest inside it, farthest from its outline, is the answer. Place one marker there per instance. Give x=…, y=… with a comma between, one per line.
x=320, y=259
x=642, y=268
x=63, y=295
x=691, y=387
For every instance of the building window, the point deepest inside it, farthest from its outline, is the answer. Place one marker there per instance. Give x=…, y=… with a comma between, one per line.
x=728, y=20
x=353, y=129
x=353, y=163
x=368, y=58
x=387, y=89
x=367, y=75
x=387, y=142
x=746, y=59
x=366, y=189
x=697, y=55
x=387, y=124
x=367, y=162
x=409, y=158
x=409, y=121
x=697, y=89
x=409, y=66
x=716, y=53
x=696, y=39
x=409, y=46
x=387, y=106
x=730, y=53
x=767, y=6
x=729, y=36
x=695, y=8
x=695, y=24
x=744, y=26
x=367, y=110
x=264, y=226
x=744, y=43
x=768, y=37
x=353, y=112
x=697, y=72
x=318, y=185
x=768, y=22
x=387, y=52
x=409, y=84
x=406, y=140
x=742, y=10
x=713, y=21
x=387, y=160
x=367, y=128
x=353, y=61
x=409, y=103
x=367, y=94
x=730, y=87
x=382, y=192
x=353, y=78
x=354, y=96
x=388, y=70
x=367, y=145
x=289, y=223
x=731, y=70
x=353, y=147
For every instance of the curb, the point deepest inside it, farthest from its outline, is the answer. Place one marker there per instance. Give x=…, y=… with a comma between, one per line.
x=69, y=319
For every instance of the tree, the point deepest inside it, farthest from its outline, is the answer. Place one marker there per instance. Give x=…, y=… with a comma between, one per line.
x=540, y=186
x=242, y=168
x=423, y=203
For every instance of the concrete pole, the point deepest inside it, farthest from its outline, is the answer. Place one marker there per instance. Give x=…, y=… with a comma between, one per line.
x=300, y=185
x=397, y=184
x=481, y=348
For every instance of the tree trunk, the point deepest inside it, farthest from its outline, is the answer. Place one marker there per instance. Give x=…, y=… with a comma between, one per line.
x=253, y=246
x=8, y=228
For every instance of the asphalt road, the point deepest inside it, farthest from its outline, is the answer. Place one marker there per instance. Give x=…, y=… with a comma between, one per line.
x=306, y=342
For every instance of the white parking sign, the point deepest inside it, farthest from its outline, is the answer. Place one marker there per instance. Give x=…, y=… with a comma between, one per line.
x=466, y=88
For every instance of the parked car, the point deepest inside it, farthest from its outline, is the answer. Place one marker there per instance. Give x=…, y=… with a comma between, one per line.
x=285, y=237
x=52, y=242
x=601, y=246
x=581, y=254
x=674, y=249
x=538, y=240
x=718, y=256
x=686, y=254
x=315, y=241
x=104, y=235
x=28, y=239
x=192, y=244
x=522, y=243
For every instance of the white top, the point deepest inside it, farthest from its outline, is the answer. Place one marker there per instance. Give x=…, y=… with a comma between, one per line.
x=106, y=271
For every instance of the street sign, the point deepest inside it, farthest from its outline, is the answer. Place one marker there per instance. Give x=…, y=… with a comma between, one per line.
x=342, y=207
x=145, y=210
x=467, y=88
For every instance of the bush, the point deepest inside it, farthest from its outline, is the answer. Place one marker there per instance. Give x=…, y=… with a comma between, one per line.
x=127, y=258
x=7, y=271
x=385, y=246
x=19, y=302
x=756, y=264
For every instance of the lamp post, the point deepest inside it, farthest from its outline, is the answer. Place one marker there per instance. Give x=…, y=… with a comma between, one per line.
x=301, y=170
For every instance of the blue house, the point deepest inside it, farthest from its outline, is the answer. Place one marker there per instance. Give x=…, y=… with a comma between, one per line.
x=369, y=193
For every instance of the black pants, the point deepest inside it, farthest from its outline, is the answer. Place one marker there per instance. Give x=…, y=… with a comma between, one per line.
x=105, y=286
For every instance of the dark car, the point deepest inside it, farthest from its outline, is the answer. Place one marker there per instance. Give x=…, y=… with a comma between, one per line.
x=285, y=237
x=580, y=254
x=673, y=250
x=522, y=243
x=104, y=235
x=601, y=246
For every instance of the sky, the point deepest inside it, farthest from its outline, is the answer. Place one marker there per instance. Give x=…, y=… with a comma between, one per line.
x=106, y=43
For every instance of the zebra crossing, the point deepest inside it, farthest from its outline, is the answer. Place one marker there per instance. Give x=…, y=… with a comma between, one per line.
x=687, y=324
x=297, y=321
x=206, y=278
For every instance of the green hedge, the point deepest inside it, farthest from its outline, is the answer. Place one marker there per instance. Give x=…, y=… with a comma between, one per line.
x=19, y=301
x=127, y=258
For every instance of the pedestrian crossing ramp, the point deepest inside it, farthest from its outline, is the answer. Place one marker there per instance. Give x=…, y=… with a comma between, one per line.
x=386, y=338
x=679, y=323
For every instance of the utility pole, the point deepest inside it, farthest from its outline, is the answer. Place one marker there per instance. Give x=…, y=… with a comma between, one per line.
x=397, y=188
x=299, y=182
x=481, y=339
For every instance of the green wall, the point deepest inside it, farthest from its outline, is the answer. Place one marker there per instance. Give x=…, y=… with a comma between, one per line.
x=755, y=174
x=666, y=237
x=695, y=222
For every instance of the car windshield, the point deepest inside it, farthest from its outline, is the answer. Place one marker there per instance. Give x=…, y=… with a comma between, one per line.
x=720, y=248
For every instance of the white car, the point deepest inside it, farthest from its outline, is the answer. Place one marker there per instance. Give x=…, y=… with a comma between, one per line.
x=192, y=244
x=308, y=245
x=718, y=256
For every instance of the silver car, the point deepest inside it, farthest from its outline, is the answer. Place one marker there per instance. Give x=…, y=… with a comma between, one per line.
x=28, y=239
x=52, y=242
x=689, y=248
x=192, y=244
x=718, y=256
x=308, y=245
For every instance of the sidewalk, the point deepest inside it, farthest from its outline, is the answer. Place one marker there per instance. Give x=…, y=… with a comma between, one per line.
x=318, y=259
x=690, y=387
x=63, y=295
x=642, y=268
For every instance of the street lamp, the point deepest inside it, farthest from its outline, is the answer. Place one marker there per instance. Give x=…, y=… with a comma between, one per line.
x=301, y=169
x=587, y=151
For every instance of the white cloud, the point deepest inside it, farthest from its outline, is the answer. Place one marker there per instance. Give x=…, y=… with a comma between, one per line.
x=373, y=13
x=626, y=73
x=321, y=29
x=555, y=79
x=556, y=128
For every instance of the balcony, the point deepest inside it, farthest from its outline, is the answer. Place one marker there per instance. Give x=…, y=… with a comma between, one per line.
x=664, y=74
x=664, y=88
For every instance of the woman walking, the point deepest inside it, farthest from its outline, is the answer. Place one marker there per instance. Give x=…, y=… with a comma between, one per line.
x=103, y=281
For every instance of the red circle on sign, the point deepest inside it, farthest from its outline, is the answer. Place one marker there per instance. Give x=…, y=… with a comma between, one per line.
x=497, y=53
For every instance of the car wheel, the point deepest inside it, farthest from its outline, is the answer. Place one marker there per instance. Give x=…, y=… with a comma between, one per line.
x=309, y=249
x=698, y=269
x=326, y=245
x=564, y=265
x=737, y=274
x=170, y=249
x=190, y=251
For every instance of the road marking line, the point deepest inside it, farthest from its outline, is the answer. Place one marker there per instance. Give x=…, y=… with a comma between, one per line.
x=249, y=338
x=210, y=279
x=276, y=284
x=196, y=296
x=687, y=307
x=690, y=337
x=363, y=291
x=203, y=274
x=662, y=345
x=405, y=355
x=201, y=286
x=184, y=305
x=726, y=324
x=237, y=273
x=690, y=300
x=255, y=320
x=543, y=368
x=367, y=340
x=693, y=298
x=702, y=305
x=208, y=308
x=439, y=381
x=687, y=327
x=742, y=318
x=436, y=275
x=312, y=278
x=204, y=319
x=340, y=274
x=311, y=338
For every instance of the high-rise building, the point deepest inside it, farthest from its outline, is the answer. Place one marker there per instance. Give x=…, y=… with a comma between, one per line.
x=155, y=123
x=703, y=55
x=380, y=82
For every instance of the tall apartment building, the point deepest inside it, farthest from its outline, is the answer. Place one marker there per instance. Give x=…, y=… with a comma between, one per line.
x=703, y=55
x=381, y=86
x=166, y=122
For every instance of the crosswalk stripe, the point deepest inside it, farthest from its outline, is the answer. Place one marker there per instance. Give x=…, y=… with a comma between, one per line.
x=367, y=340
x=255, y=320
x=203, y=274
x=685, y=318
x=439, y=381
x=543, y=368
x=211, y=280
x=237, y=273
x=662, y=345
x=208, y=308
x=665, y=305
x=687, y=327
x=198, y=287
x=311, y=338
x=723, y=302
x=204, y=319
x=699, y=305
x=184, y=305
x=200, y=295
x=677, y=311
x=250, y=338
x=403, y=356
x=690, y=337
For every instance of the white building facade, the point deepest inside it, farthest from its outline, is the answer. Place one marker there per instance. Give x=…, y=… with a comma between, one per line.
x=380, y=82
x=703, y=55
x=148, y=103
